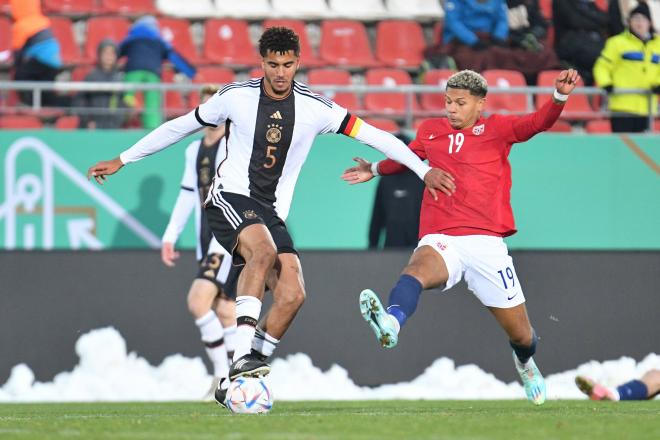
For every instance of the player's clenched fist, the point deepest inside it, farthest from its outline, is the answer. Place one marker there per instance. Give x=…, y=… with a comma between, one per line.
x=100, y=170
x=567, y=81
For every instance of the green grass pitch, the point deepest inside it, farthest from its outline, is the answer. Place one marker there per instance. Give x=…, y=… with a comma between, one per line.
x=335, y=420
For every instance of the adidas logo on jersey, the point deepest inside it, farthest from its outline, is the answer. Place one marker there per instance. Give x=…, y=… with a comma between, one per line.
x=276, y=115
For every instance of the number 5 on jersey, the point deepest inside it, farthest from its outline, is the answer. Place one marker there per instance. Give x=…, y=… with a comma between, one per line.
x=456, y=139
x=270, y=158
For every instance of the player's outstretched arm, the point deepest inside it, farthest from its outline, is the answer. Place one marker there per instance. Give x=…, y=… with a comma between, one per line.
x=435, y=178
x=358, y=174
x=160, y=138
x=100, y=170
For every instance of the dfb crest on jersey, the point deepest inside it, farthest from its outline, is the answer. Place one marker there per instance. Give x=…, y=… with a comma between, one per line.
x=274, y=133
x=249, y=214
x=478, y=129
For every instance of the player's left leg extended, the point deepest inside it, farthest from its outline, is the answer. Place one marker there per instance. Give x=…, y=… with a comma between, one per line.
x=425, y=270
x=522, y=338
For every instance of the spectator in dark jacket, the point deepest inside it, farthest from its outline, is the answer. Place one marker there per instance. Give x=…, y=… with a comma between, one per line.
x=145, y=51
x=106, y=107
x=396, y=209
x=580, y=32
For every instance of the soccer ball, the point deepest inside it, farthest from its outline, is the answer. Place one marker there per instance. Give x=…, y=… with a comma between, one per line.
x=249, y=395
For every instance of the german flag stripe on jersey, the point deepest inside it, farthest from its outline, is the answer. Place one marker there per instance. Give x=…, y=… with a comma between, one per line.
x=350, y=125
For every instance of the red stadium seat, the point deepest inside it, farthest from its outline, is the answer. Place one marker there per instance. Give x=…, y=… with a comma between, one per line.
x=256, y=72
x=228, y=42
x=70, y=7
x=577, y=108
x=131, y=7
x=513, y=103
x=307, y=56
x=435, y=101
x=598, y=126
x=175, y=102
x=546, y=8
x=63, y=31
x=602, y=4
x=5, y=40
x=214, y=75
x=656, y=126
x=218, y=76
x=20, y=122
x=388, y=102
x=335, y=77
x=99, y=28
x=345, y=43
x=176, y=31
x=384, y=124
x=400, y=43
x=67, y=122
x=561, y=127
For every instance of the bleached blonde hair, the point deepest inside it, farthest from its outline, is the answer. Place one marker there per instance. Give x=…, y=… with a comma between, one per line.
x=469, y=80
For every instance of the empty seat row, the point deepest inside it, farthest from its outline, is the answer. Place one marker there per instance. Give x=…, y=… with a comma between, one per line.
x=308, y=9
x=252, y=9
x=399, y=43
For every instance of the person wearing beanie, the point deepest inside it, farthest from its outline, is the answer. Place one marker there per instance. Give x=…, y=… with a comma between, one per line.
x=145, y=50
x=619, y=11
x=106, y=107
x=631, y=60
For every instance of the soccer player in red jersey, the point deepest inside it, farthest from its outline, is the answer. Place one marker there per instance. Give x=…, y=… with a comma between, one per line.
x=462, y=228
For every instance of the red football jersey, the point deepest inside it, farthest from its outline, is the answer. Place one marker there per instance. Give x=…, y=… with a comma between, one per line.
x=477, y=157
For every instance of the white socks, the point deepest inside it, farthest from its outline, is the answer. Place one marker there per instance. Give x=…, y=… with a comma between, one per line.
x=248, y=309
x=212, y=337
x=230, y=340
x=264, y=343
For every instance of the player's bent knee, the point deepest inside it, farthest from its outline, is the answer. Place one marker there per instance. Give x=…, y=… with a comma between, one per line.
x=292, y=299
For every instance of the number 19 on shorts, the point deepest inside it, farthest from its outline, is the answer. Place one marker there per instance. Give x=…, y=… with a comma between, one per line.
x=508, y=278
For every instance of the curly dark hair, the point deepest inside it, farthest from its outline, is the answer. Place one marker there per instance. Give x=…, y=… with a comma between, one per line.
x=279, y=40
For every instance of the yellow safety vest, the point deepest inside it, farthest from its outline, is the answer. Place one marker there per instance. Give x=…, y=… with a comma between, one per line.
x=627, y=62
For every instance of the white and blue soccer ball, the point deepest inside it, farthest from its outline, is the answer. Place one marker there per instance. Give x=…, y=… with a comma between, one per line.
x=249, y=395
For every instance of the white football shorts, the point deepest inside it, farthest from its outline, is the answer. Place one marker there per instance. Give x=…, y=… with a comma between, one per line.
x=484, y=261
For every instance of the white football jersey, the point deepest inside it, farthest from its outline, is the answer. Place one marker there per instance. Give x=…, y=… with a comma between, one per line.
x=268, y=139
x=200, y=165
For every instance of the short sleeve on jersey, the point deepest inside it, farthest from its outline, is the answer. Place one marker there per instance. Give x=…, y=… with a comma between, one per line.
x=214, y=111
x=189, y=180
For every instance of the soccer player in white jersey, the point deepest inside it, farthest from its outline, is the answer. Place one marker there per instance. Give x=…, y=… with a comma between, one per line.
x=270, y=123
x=211, y=298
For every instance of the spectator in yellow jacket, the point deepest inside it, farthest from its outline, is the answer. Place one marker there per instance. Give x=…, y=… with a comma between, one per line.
x=631, y=60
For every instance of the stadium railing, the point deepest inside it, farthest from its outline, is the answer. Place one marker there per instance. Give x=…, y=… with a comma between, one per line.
x=407, y=117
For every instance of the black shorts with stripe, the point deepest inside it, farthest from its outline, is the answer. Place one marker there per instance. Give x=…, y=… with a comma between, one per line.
x=235, y=213
x=209, y=269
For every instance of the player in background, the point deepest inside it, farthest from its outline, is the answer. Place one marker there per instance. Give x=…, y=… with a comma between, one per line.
x=645, y=388
x=461, y=235
x=211, y=298
x=271, y=123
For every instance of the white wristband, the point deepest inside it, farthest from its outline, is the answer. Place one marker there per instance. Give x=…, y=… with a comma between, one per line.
x=559, y=96
x=374, y=169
